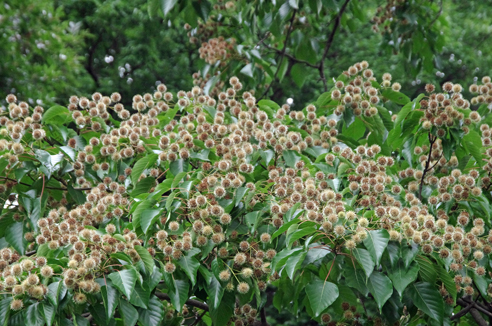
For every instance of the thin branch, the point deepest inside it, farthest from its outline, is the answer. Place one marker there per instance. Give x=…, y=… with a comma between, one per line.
x=190, y=302
x=432, y=140
x=291, y=57
x=282, y=54
x=329, y=42
x=438, y=15
x=199, y=318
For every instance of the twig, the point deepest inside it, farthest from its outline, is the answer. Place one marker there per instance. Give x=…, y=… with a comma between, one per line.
x=432, y=140
x=438, y=15
x=291, y=57
x=199, y=318
x=282, y=54
x=329, y=42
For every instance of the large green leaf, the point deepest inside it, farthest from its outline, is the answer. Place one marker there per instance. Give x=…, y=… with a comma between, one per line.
x=57, y=115
x=148, y=217
x=154, y=313
x=365, y=260
x=356, y=279
x=124, y=280
x=146, y=258
x=396, y=97
x=48, y=311
x=401, y=276
x=179, y=294
x=128, y=313
x=221, y=315
x=321, y=295
x=15, y=237
x=427, y=269
x=425, y=296
x=376, y=243
x=34, y=316
x=110, y=299
x=381, y=288
x=168, y=5
x=215, y=292
x=140, y=297
x=291, y=158
x=141, y=165
x=190, y=266
x=5, y=309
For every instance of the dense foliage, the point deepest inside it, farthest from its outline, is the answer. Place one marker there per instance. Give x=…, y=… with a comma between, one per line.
x=206, y=201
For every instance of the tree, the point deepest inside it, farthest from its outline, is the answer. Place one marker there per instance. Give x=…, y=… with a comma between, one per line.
x=202, y=207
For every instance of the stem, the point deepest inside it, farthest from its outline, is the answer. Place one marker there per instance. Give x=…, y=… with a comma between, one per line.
x=432, y=140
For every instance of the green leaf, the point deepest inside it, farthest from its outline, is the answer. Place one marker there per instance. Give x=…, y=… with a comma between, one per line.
x=298, y=74
x=427, y=270
x=474, y=150
x=407, y=109
x=141, y=165
x=143, y=186
x=267, y=155
x=148, y=217
x=110, y=299
x=293, y=263
x=5, y=309
x=376, y=242
x=53, y=292
x=57, y=115
x=128, y=313
x=33, y=315
x=48, y=312
x=321, y=295
x=396, y=97
x=180, y=294
x=427, y=298
x=291, y=158
x=140, y=297
x=168, y=5
x=124, y=280
x=15, y=237
x=222, y=314
x=401, y=276
x=447, y=280
x=154, y=313
x=190, y=266
x=365, y=260
x=356, y=279
x=215, y=292
x=152, y=7
x=146, y=258
x=381, y=288
x=247, y=70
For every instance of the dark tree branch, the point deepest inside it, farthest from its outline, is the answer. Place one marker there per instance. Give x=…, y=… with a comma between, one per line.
x=190, y=302
x=432, y=140
x=199, y=318
x=263, y=317
x=282, y=54
x=473, y=308
x=329, y=42
x=290, y=57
